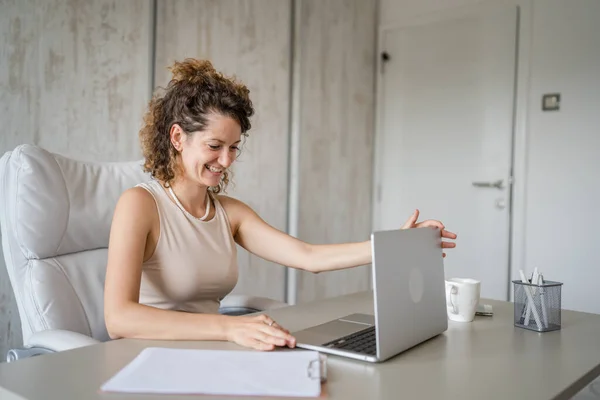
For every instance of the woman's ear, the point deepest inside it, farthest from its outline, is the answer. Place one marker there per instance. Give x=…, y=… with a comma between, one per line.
x=177, y=137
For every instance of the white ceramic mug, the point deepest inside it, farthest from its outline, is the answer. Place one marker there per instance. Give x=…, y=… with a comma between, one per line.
x=462, y=297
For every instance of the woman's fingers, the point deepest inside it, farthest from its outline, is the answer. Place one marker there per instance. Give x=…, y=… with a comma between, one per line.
x=430, y=223
x=411, y=221
x=265, y=319
x=275, y=332
x=270, y=339
x=448, y=245
x=291, y=340
x=278, y=332
x=259, y=345
x=261, y=332
x=269, y=327
x=448, y=235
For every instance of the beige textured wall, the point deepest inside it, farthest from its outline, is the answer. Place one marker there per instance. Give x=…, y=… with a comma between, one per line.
x=336, y=110
x=74, y=79
x=65, y=84
x=251, y=40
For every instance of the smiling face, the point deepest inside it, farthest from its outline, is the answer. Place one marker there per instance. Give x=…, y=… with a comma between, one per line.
x=205, y=155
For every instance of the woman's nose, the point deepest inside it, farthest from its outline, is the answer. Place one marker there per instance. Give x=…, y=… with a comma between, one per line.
x=226, y=158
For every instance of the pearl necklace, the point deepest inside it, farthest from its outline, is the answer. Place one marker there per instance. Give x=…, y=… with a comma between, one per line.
x=185, y=211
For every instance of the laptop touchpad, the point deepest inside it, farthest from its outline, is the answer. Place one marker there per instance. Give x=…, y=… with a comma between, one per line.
x=332, y=330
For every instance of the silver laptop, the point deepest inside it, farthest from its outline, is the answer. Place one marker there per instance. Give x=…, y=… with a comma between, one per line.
x=409, y=301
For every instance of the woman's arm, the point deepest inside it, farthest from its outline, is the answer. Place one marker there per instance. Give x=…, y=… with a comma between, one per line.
x=125, y=317
x=260, y=238
x=255, y=235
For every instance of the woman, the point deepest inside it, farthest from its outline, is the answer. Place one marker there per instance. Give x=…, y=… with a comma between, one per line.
x=172, y=250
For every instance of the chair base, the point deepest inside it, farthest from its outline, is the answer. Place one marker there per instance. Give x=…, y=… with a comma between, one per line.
x=234, y=311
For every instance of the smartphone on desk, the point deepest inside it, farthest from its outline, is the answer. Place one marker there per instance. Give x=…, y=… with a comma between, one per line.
x=484, y=309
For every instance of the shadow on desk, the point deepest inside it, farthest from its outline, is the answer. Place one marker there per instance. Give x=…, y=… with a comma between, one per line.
x=590, y=392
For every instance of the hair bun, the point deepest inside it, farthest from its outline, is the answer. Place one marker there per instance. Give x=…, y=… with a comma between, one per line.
x=192, y=70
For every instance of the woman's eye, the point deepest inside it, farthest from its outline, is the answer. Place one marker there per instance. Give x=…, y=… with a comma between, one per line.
x=214, y=147
x=235, y=148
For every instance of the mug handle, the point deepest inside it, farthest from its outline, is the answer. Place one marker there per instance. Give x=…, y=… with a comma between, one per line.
x=451, y=292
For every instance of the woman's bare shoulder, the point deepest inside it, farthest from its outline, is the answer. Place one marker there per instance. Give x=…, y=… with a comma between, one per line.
x=227, y=201
x=137, y=196
x=235, y=209
x=136, y=204
x=232, y=204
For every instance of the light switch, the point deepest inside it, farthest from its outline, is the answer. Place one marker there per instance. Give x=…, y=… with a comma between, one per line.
x=551, y=102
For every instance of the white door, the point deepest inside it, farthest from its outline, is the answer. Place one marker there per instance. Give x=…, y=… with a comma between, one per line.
x=444, y=137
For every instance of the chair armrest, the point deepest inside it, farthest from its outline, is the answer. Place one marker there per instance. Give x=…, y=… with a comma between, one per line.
x=59, y=340
x=238, y=304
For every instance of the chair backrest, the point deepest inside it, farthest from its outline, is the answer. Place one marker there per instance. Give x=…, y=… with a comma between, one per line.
x=55, y=216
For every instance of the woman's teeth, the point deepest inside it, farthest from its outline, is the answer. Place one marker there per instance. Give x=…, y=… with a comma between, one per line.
x=213, y=169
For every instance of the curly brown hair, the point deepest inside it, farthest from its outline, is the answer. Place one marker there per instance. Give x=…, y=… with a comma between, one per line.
x=195, y=91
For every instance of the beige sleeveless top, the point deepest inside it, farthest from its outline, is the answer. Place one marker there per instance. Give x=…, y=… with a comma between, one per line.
x=194, y=264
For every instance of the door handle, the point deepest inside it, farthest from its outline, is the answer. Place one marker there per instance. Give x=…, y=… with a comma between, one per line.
x=497, y=184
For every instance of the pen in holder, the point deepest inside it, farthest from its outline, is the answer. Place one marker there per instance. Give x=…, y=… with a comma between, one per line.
x=537, y=307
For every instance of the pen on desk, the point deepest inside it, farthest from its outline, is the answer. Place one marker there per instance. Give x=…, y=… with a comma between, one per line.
x=543, y=298
x=525, y=305
x=531, y=303
x=527, y=308
x=534, y=281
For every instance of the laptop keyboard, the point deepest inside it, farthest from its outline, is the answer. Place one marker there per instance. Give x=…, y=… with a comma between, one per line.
x=360, y=342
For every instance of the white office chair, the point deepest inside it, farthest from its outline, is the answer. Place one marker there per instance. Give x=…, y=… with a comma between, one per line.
x=55, y=216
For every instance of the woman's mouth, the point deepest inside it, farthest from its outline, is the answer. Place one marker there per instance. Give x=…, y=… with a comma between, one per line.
x=214, y=170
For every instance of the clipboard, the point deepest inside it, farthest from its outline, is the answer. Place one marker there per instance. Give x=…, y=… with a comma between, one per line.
x=156, y=370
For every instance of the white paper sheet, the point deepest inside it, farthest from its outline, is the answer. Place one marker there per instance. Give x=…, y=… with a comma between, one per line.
x=220, y=372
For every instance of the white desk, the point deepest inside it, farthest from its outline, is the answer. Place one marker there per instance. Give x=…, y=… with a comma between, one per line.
x=486, y=359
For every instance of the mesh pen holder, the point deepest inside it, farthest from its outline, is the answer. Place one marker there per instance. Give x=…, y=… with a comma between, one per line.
x=537, y=307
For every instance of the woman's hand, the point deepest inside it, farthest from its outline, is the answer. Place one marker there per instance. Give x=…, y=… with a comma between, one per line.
x=412, y=223
x=259, y=332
